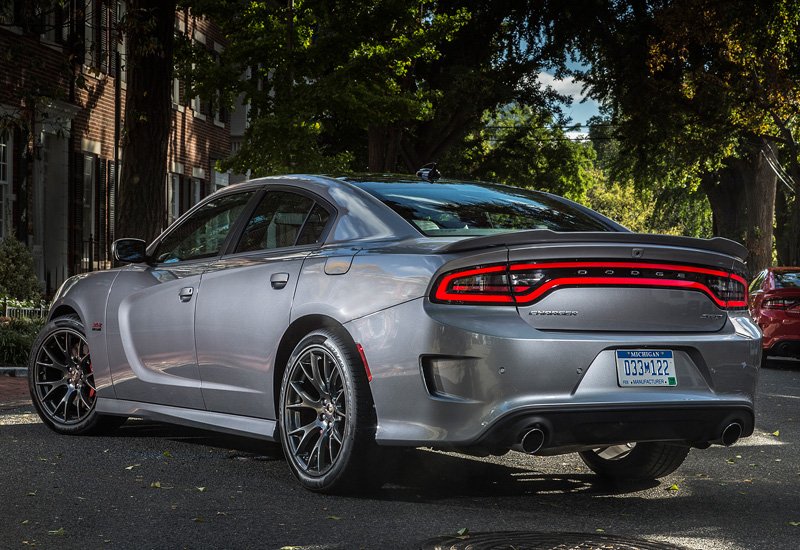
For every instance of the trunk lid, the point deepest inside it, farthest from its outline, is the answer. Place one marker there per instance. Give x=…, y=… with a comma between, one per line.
x=613, y=282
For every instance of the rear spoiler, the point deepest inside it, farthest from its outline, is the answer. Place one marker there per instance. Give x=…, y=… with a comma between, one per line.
x=541, y=236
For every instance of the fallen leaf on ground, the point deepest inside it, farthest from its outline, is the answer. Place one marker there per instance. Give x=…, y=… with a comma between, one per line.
x=59, y=532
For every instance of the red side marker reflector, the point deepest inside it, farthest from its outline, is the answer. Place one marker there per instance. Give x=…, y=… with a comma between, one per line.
x=364, y=360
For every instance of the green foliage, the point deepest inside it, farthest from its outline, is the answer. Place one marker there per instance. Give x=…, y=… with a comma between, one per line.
x=16, y=339
x=313, y=67
x=663, y=210
x=334, y=83
x=699, y=92
x=17, y=273
x=522, y=146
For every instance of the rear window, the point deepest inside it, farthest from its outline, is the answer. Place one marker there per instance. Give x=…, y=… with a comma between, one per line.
x=787, y=279
x=472, y=209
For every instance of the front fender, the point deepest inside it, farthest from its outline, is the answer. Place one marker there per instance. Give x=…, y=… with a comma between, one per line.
x=86, y=295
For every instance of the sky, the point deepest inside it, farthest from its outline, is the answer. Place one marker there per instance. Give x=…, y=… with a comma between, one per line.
x=580, y=111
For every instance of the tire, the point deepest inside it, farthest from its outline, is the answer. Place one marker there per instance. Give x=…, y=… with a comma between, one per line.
x=61, y=380
x=635, y=461
x=326, y=415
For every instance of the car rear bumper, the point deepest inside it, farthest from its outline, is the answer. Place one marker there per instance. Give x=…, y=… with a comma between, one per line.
x=459, y=376
x=779, y=328
x=572, y=430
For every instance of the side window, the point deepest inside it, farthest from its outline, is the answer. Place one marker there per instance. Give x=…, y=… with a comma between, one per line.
x=283, y=219
x=202, y=235
x=757, y=282
x=315, y=225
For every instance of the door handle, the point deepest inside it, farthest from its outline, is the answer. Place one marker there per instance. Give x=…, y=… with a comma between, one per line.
x=279, y=280
x=186, y=294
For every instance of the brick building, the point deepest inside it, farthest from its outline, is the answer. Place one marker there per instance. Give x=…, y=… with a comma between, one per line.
x=62, y=98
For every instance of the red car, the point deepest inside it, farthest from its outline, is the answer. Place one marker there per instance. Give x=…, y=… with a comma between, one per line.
x=775, y=305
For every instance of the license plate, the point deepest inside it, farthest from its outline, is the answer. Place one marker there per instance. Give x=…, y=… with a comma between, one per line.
x=646, y=367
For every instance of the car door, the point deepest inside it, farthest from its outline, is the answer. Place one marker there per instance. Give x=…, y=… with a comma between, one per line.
x=246, y=301
x=151, y=308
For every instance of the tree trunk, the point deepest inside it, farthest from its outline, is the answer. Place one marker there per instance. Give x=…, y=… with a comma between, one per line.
x=760, y=194
x=794, y=234
x=141, y=202
x=742, y=198
x=384, y=147
x=787, y=221
x=726, y=195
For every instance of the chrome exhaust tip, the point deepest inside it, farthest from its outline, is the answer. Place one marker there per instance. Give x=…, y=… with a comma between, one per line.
x=731, y=434
x=532, y=441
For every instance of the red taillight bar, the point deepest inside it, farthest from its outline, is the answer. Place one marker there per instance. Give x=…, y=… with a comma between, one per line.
x=444, y=295
x=522, y=295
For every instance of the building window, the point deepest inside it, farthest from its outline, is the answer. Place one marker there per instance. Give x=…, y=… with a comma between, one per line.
x=219, y=180
x=173, y=197
x=90, y=33
x=88, y=200
x=5, y=184
x=176, y=93
x=47, y=20
x=122, y=46
x=197, y=191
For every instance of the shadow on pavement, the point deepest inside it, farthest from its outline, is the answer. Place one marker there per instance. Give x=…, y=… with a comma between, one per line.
x=411, y=475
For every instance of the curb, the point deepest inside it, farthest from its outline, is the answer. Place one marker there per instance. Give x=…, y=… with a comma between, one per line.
x=19, y=372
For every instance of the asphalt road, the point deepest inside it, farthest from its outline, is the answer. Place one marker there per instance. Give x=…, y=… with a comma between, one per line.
x=161, y=487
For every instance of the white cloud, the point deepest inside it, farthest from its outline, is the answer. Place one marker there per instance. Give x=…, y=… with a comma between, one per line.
x=580, y=111
x=569, y=86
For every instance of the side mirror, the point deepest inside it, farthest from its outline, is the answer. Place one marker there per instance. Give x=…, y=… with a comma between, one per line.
x=129, y=251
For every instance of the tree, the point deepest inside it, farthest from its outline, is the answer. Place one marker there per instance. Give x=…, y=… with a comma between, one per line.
x=524, y=147
x=341, y=84
x=141, y=201
x=17, y=273
x=699, y=90
x=657, y=208
x=316, y=70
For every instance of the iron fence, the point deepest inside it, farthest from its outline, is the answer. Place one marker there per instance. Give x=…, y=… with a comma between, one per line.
x=94, y=256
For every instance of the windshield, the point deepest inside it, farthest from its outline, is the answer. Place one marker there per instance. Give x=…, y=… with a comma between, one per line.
x=473, y=209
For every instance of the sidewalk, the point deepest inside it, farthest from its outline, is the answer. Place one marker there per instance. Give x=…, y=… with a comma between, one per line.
x=13, y=388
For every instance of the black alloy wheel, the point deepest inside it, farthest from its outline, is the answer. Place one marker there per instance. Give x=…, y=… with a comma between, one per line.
x=327, y=420
x=61, y=379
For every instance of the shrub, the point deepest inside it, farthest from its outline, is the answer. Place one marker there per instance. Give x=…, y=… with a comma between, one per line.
x=17, y=273
x=16, y=339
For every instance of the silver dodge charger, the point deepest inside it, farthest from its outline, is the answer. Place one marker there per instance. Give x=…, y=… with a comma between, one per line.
x=346, y=316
